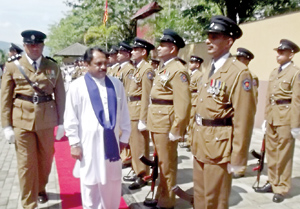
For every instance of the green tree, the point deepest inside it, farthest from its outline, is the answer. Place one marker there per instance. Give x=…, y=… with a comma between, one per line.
x=245, y=10
x=3, y=57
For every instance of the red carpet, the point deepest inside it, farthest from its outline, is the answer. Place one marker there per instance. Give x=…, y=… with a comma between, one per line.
x=70, y=186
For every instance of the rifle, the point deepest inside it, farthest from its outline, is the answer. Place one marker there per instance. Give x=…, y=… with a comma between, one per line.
x=260, y=164
x=150, y=202
x=183, y=195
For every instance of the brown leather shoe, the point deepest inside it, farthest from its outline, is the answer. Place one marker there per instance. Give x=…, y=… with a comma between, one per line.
x=278, y=198
x=42, y=197
x=264, y=189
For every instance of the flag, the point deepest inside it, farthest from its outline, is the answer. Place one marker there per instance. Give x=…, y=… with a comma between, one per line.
x=105, y=18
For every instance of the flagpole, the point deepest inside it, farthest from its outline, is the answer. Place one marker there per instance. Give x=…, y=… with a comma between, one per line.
x=105, y=18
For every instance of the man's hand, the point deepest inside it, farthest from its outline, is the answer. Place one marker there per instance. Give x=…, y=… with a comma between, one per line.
x=9, y=134
x=173, y=137
x=141, y=126
x=233, y=168
x=295, y=132
x=123, y=146
x=60, y=132
x=76, y=152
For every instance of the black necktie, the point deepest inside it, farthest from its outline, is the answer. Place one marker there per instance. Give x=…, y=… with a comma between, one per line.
x=212, y=70
x=279, y=69
x=34, y=65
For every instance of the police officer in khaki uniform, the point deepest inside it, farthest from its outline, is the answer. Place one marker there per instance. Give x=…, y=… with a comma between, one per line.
x=168, y=113
x=14, y=50
x=113, y=61
x=219, y=142
x=29, y=114
x=155, y=63
x=245, y=56
x=138, y=102
x=195, y=74
x=124, y=73
x=126, y=68
x=282, y=121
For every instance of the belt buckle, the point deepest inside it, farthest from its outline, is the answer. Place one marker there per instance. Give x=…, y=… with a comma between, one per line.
x=198, y=119
x=35, y=99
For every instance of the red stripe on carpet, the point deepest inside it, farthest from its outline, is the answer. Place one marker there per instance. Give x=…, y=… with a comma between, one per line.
x=70, y=186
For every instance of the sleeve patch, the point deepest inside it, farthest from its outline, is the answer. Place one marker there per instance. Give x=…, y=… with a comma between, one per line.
x=183, y=78
x=150, y=75
x=247, y=84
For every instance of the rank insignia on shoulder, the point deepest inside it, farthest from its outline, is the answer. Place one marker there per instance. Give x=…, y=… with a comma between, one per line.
x=50, y=58
x=247, y=84
x=13, y=58
x=183, y=77
x=150, y=75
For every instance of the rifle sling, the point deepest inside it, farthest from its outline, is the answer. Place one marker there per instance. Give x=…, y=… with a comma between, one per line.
x=33, y=85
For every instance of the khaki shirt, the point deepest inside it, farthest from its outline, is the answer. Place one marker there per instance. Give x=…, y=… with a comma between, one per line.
x=195, y=79
x=170, y=83
x=232, y=98
x=113, y=70
x=124, y=74
x=24, y=114
x=285, y=85
x=140, y=85
x=255, y=84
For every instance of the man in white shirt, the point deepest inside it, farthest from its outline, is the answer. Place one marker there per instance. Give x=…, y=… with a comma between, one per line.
x=96, y=113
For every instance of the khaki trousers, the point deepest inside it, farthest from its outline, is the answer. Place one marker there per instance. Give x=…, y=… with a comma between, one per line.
x=139, y=145
x=35, y=150
x=280, y=150
x=190, y=126
x=167, y=162
x=212, y=185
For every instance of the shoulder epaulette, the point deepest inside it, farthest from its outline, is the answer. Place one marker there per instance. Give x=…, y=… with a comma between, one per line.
x=13, y=58
x=50, y=58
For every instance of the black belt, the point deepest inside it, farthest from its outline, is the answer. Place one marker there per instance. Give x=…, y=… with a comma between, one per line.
x=35, y=99
x=134, y=98
x=216, y=122
x=194, y=91
x=162, y=102
x=283, y=101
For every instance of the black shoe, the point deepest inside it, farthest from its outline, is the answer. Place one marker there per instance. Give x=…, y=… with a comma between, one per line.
x=264, y=189
x=150, y=203
x=139, y=183
x=278, y=198
x=130, y=178
x=42, y=197
x=237, y=175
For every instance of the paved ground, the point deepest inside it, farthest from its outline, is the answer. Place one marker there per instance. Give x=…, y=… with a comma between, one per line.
x=242, y=196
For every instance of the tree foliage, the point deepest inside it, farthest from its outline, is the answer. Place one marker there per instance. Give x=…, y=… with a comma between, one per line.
x=245, y=10
x=189, y=18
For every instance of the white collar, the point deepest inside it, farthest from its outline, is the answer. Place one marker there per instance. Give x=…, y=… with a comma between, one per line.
x=220, y=62
x=38, y=61
x=124, y=63
x=285, y=65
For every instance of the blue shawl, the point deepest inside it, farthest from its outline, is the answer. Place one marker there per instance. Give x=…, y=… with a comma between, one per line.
x=110, y=142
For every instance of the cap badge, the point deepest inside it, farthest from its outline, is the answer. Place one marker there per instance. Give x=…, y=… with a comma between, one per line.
x=32, y=37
